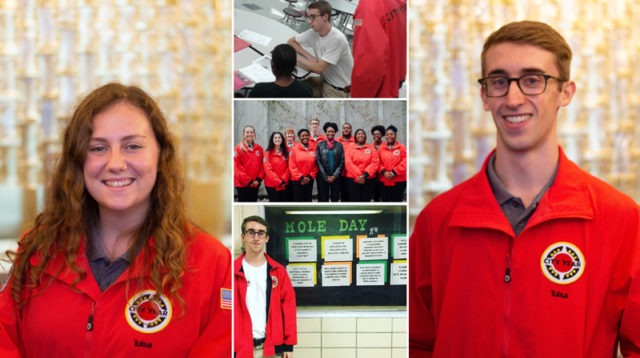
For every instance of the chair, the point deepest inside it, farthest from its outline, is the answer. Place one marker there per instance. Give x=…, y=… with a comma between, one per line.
x=291, y=15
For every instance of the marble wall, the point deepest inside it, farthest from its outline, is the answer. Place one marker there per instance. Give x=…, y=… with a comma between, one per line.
x=451, y=133
x=270, y=116
x=52, y=53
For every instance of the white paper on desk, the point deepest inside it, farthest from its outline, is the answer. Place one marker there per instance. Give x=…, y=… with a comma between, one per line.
x=257, y=73
x=254, y=37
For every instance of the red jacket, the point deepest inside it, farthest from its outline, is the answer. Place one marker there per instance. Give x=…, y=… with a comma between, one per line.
x=346, y=143
x=247, y=164
x=394, y=159
x=281, y=328
x=379, y=48
x=570, y=273
x=313, y=143
x=360, y=160
x=276, y=170
x=302, y=162
x=54, y=320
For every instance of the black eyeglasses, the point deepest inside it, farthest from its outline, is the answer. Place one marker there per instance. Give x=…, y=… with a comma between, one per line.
x=530, y=85
x=252, y=233
x=312, y=17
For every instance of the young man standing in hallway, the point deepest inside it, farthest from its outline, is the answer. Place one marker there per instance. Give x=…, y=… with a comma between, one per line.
x=265, y=302
x=332, y=55
x=532, y=256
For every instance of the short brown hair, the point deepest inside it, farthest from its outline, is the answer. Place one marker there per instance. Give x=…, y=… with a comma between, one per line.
x=254, y=218
x=536, y=34
x=322, y=6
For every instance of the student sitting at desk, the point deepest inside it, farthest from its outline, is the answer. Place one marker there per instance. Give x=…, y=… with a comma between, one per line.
x=283, y=66
x=333, y=59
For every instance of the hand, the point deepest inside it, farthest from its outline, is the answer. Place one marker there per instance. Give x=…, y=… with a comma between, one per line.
x=255, y=184
x=360, y=179
x=304, y=181
x=287, y=354
x=331, y=179
x=388, y=175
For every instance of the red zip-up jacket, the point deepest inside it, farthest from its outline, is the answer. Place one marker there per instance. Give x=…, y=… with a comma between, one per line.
x=247, y=164
x=276, y=170
x=61, y=320
x=360, y=160
x=346, y=143
x=302, y=162
x=393, y=159
x=559, y=289
x=379, y=48
x=313, y=143
x=280, y=332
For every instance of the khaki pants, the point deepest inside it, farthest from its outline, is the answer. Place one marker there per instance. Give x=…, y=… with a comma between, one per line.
x=330, y=92
x=322, y=89
x=258, y=352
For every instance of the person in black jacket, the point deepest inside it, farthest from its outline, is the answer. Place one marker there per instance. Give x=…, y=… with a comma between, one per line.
x=330, y=158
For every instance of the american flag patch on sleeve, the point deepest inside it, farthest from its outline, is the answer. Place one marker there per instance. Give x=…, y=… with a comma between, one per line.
x=357, y=22
x=225, y=298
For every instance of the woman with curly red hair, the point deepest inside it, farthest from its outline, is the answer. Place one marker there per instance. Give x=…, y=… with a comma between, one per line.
x=112, y=266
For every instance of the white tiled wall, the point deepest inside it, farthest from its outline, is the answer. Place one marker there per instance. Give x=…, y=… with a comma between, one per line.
x=352, y=337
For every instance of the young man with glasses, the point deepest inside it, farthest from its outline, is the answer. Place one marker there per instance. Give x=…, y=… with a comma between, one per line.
x=332, y=55
x=531, y=257
x=315, y=135
x=265, y=302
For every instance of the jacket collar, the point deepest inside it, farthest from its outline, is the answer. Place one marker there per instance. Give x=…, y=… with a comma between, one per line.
x=59, y=270
x=568, y=197
x=237, y=265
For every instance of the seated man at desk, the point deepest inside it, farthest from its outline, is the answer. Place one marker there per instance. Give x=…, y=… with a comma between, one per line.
x=283, y=66
x=333, y=59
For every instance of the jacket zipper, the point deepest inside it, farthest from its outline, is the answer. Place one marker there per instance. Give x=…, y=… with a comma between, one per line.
x=507, y=301
x=89, y=325
x=89, y=329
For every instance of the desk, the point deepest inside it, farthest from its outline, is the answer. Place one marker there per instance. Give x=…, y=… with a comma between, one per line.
x=345, y=9
x=277, y=31
x=247, y=20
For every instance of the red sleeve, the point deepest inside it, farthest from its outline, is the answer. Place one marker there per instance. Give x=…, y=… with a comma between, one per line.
x=288, y=302
x=8, y=325
x=293, y=166
x=371, y=54
x=286, y=175
x=261, y=158
x=374, y=164
x=240, y=175
x=630, y=325
x=401, y=167
x=353, y=171
x=215, y=340
x=314, y=167
x=269, y=174
x=422, y=333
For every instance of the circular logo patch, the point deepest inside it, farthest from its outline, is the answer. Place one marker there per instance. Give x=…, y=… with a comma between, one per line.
x=257, y=153
x=274, y=281
x=367, y=151
x=396, y=153
x=562, y=263
x=146, y=315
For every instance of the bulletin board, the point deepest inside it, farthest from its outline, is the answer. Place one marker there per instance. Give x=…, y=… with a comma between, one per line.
x=342, y=256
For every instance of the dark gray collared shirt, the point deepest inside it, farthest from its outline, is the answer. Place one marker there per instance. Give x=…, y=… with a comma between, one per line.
x=512, y=206
x=106, y=272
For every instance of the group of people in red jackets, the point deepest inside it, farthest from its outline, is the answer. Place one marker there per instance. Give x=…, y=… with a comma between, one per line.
x=345, y=168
